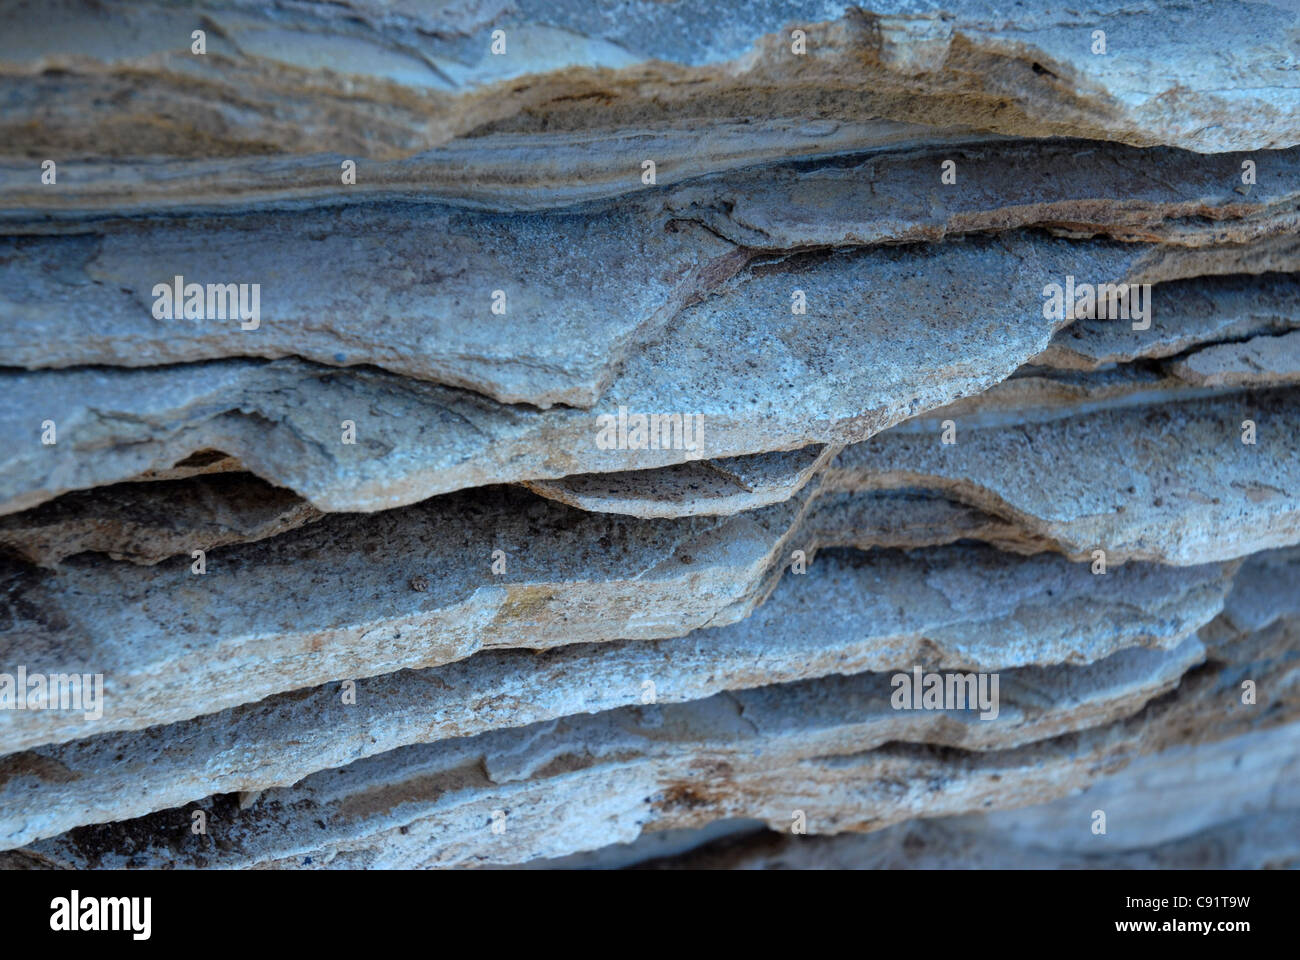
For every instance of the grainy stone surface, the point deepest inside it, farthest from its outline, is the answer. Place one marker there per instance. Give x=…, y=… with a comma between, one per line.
x=700, y=86
x=636, y=395
x=780, y=383
x=847, y=615
x=606, y=777
x=1231, y=804
x=149, y=522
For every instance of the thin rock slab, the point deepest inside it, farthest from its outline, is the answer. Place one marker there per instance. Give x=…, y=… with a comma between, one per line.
x=703, y=488
x=149, y=522
x=849, y=614
x=524, y=309
x=1032, y=395
x=1185, y=314
x=1225, y=805
x=1039, y=703
x=1170, y=482
x=413, y=289
x=353, y=596
x=1254, y=362
x=753, y=376
x=1080, y=188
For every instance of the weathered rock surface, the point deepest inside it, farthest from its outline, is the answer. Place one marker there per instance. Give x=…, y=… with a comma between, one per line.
x=755, y=378
x=411, y=288
x=1274, y=359
x=605, y=778
x=424, y=592
x=118, y=81
x=849, y=614
x=1231, y=804
x=1171, y=482
x=1039, y=437
x=1069, y=187
x=702, y=488
x=619, y=398
x=555, y=336
x=149, y=522
x=402, y=589
x=1184, y=314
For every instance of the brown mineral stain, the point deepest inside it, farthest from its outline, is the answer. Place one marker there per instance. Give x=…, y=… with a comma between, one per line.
x=524, y=604
x=35, y=765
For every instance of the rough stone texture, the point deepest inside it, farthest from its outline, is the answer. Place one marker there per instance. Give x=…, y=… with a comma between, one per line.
x=776, y=385
x=149, y=522
x=440, y=593
x=563, y=331
x=1184, y=314
x=605, y=778
x=429, y=596
x=117, y=81
x=1066, y=187
x=847, y=615
x=1276, y=359
x=703, y=488
x=1119, y=490
x=1232, y=804
x=409, y=289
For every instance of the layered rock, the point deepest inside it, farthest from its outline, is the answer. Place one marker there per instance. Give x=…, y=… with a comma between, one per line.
x=772, y=388
x=422, y=95
x=606, y=777
x=588, y=422
x=1231, y=804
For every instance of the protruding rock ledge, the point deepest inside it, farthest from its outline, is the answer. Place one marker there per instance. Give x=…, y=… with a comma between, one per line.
x=1107, y=480
x=149, y=522
x=703, y=488
x=500, y=305
x=268, y=623
x=1230, y=804
x=1184, y=314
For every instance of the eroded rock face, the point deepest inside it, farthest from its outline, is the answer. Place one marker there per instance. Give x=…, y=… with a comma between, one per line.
x=416, y=602
x=636, y=402
x=552, y=334
x=149, y=522
x=699, y=88
x=1229, y=804
x=428, y=805
x=849, y=614
x=751, y=377
x=493, y=303
x=1116, y=490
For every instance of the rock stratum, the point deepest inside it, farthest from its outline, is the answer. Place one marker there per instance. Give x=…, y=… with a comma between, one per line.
x=564, y=435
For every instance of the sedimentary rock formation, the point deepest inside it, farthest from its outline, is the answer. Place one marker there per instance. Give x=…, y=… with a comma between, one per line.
x=684, y=435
